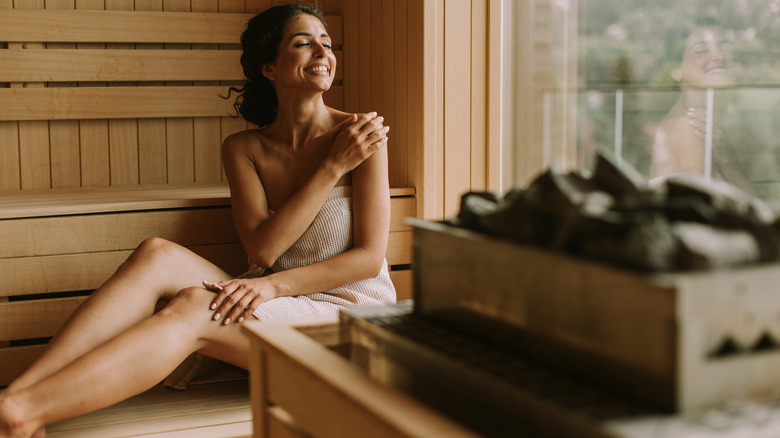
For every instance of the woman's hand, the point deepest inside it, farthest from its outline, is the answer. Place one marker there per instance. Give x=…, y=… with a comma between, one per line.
x=697, y=120
x=239, y=298
x=358, y=138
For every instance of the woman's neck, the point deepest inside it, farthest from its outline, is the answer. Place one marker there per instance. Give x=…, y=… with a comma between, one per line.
x=299, y=120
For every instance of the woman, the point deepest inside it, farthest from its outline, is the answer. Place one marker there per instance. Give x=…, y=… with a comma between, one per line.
x=290, y=185
x=705, y=62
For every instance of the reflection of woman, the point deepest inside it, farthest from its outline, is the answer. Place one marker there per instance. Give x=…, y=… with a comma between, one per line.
x=310, y=199
x=679, y=144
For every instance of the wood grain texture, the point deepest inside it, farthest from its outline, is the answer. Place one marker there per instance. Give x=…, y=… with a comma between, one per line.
x=119, y=65
x=120, y=26
x=112, y=102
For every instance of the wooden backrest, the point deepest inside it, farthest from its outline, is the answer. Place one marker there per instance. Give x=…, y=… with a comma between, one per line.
x=105, y=98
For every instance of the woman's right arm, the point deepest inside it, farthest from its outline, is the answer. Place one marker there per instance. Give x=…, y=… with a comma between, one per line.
x=265, y=237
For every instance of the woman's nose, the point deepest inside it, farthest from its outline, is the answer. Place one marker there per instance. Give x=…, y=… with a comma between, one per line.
x=319, y=49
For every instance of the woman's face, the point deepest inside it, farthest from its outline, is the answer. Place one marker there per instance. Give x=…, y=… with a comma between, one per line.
x=707, y=59
x=305, y=59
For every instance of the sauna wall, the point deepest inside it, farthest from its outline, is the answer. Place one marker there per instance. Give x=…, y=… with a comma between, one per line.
x=426, y=66
x=42, y=147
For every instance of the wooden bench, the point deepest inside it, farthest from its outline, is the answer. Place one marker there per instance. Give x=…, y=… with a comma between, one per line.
x=109, y=134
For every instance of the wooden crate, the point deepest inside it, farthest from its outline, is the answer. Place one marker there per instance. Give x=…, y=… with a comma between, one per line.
x=654, y=337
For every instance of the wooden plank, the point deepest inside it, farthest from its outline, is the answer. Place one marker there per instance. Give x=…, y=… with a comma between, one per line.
x=34, y=158
x=399, y=248
x=94, y=153
x=208, y=156
x=121, y=26
x=123, y=151
x=401, y=208
x=180, y=150
x=364, y=55
x=282, y=425
x=351, y=66
x=65, y=153
x=399, y=126
x=57, y=202
x=119, y=65
x=403, y=282
x=35, y=319
x=152, y=154
x=112, y=102
x=457, y=101
x=87, y=271
x=113, y=232
x=478, y=97
x=9, y=156
x=14, y=360
x=161, y=412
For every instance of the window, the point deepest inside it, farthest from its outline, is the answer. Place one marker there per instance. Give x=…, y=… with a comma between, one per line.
x=667, y=85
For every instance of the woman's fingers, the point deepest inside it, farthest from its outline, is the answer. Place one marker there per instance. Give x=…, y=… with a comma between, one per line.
x=236, y=301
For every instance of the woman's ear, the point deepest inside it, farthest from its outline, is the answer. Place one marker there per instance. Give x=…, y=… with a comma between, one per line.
x=268, y=71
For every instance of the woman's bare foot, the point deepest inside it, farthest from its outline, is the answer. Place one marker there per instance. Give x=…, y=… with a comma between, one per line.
x=13, y=423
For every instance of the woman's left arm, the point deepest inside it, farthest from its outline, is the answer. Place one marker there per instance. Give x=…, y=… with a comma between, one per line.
x=371, y=225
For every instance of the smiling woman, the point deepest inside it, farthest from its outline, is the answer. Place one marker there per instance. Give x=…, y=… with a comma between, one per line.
x=310, y=200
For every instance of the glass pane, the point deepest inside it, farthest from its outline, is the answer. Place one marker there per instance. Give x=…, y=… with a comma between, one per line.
x=669, y=86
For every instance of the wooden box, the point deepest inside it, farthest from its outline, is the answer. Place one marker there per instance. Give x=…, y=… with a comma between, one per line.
x=675, y=341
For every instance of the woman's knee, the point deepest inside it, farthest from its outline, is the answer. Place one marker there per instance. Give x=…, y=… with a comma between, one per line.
x=190, y=301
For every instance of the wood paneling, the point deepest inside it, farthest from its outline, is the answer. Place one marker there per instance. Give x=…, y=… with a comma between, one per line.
x=112, y=102
x=119, y=26
x=119, y=65
x=92, y=99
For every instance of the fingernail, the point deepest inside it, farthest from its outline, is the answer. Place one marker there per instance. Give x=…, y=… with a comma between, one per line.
x=241, y=319
x=213, y=306
x=216, y=316
x=227, y=321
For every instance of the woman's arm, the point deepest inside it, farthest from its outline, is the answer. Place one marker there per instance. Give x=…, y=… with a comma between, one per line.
x=265, y=237
x=371, y=222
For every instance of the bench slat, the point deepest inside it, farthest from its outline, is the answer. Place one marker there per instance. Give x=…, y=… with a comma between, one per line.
x=94, y=65
x=402, y=280
x=13, y=361
x=68, y=103
x=399, y=248
x=86, y=103
x=114, y=232
x=96, y=26
x=35, y=319
x=87, y=271
x=86, y=26
x=59, y=202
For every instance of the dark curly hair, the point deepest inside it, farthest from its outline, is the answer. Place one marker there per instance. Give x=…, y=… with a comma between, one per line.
x=257, y=102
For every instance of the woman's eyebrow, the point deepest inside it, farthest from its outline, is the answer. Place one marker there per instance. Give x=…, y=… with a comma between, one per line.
x=307, y=34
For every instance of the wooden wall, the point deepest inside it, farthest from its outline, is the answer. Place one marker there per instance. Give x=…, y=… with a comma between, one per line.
x=425, y=65
x=55, y=86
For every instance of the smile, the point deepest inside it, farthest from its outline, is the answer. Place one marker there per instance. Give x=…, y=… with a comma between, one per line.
x=318, y=69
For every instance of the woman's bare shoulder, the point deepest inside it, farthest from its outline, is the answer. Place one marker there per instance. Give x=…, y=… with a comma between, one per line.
x=248, y=142
x=338, y=115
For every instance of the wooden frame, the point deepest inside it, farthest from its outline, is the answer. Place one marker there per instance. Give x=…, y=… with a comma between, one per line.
x=298, y=387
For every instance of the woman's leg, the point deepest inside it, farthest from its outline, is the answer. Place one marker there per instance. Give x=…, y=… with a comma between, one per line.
x=126, y=365
x=156, y=270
